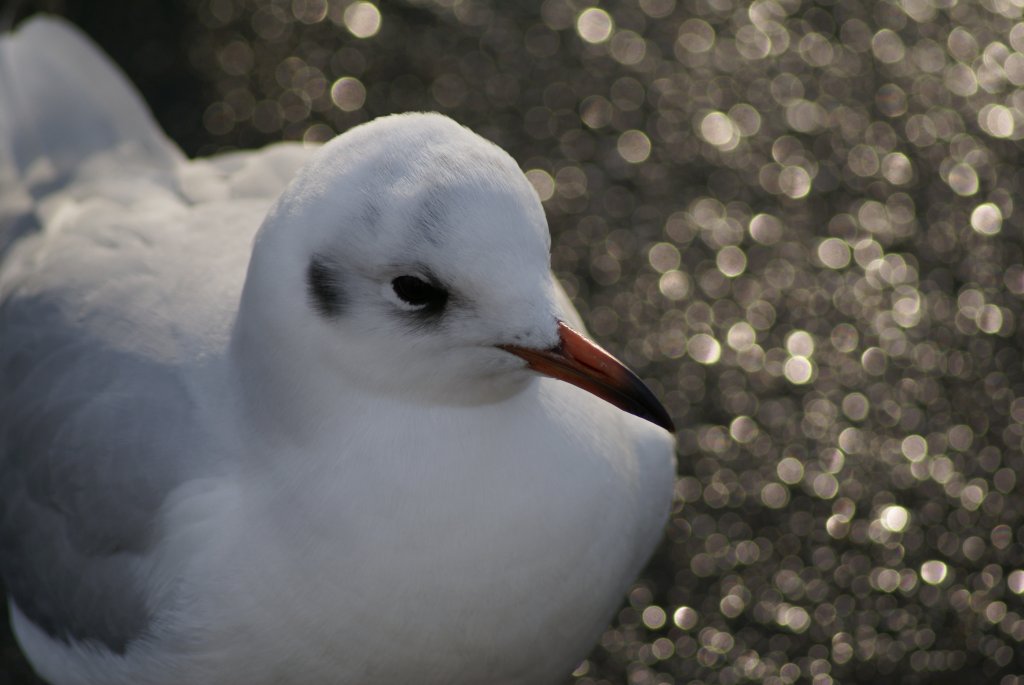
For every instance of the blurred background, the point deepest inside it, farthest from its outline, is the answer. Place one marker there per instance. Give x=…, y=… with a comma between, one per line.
x=796, y=220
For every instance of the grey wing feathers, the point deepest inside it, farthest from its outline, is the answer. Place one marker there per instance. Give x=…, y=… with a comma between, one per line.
x=102, y=308
x=86, y=463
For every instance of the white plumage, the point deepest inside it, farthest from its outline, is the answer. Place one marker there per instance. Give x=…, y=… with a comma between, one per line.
x=227, y=460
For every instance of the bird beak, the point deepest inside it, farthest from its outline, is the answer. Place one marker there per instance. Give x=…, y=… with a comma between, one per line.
x=578, y=361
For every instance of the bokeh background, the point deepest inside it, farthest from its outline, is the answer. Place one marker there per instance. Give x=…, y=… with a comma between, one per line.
x=797, y=220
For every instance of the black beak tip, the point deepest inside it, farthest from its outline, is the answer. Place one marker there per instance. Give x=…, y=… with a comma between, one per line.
x=649, y=408
x=661, y=418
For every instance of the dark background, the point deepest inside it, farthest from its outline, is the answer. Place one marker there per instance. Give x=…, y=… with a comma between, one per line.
x=798, y=221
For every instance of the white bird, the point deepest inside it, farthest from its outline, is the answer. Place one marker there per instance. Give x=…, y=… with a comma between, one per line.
x=293, y=416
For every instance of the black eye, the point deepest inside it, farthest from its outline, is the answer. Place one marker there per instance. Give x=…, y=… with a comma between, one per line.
x=419, y=293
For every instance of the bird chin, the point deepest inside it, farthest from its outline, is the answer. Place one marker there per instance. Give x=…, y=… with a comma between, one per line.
x=488, y=389
x=511, y=382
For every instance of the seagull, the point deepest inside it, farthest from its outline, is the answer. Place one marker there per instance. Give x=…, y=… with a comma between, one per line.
x=297, y=416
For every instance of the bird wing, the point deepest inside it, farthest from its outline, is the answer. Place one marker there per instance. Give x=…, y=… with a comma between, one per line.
x=121, y=266
x=92, y=442
x=109, y=315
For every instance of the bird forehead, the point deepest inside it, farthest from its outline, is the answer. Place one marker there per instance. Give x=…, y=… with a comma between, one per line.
x=478, y=213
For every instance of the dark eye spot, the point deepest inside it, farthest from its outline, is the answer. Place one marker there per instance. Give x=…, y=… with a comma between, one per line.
x=418, y=293
x=323, y=283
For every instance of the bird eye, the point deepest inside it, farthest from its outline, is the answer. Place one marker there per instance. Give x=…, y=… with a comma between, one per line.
x=418, y=293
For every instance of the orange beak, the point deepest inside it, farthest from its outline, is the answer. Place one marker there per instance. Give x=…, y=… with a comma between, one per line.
x=578, y=361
